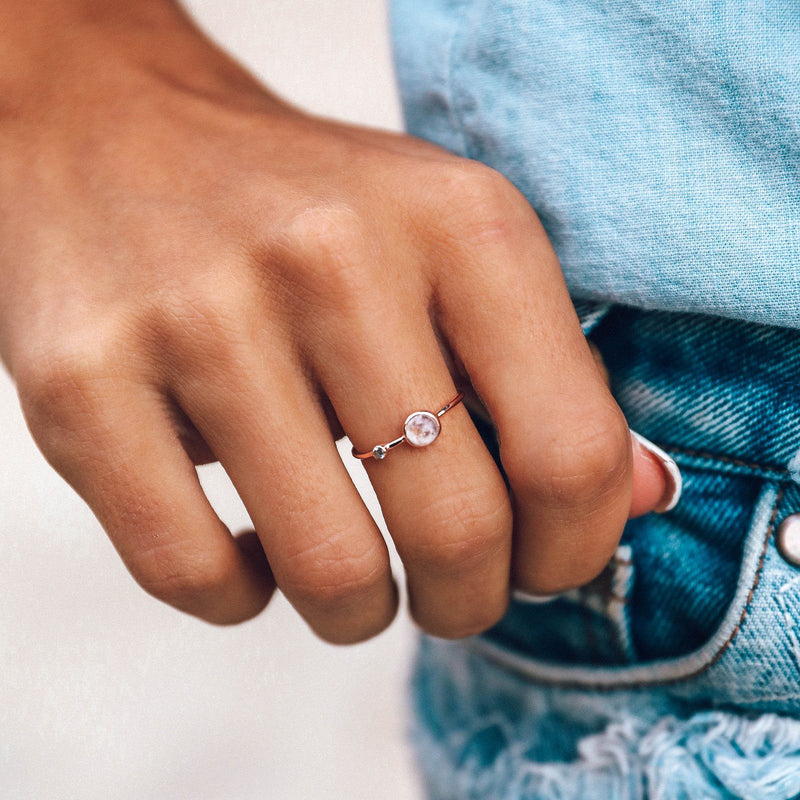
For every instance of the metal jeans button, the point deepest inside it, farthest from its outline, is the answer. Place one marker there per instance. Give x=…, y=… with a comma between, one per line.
x=788, y=539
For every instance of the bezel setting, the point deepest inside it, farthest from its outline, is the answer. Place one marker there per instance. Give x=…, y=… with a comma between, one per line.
x=421, y=428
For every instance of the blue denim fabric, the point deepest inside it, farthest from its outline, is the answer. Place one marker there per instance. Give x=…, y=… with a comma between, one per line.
x=676, y=673
x=658, y=140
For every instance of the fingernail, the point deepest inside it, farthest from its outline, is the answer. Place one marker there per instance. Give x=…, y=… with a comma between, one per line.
x=673, y=476
x=526, y=597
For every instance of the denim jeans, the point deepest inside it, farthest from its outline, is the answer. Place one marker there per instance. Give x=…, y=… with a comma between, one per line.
x=676, y=673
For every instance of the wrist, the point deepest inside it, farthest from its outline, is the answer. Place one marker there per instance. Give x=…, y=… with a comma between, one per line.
x=32, y=30
x=54, y=51
x=41, y=41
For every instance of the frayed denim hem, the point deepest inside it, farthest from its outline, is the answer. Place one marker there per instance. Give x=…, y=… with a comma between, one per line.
x=712, y=755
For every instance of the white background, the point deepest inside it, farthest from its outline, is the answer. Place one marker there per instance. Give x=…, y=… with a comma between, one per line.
x=107, y=694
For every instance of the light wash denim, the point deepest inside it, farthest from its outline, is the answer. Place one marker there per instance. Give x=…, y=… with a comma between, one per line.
x=675, y=675
x=658, y=140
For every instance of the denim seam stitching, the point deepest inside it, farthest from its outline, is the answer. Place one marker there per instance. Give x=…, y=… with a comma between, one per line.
x=767, y=470
x=789, y=624
x=455, y=116
x=751, y=593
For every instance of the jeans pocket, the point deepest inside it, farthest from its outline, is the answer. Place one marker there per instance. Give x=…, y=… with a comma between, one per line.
x=670, y=605
x=697, y=599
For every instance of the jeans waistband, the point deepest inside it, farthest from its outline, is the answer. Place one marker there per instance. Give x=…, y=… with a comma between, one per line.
x=709, y=389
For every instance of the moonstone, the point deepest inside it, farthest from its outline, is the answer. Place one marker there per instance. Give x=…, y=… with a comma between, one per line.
x=421, y=428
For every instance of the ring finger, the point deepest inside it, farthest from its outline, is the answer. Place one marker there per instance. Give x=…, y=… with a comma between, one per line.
x=446, y=506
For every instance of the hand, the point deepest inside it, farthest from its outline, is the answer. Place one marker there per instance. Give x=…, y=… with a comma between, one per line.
x=193, y=270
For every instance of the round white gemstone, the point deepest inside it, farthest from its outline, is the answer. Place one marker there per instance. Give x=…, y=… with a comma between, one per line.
x=379, y=452
x=421, y=428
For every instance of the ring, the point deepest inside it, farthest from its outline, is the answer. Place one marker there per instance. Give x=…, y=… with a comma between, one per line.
x=420, y=429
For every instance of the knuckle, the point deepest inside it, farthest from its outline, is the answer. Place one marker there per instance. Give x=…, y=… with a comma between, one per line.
x=329, y=252
x=578, y=468
x=62, y=373
x=484, y=206
x=61, y=385
x=181, y=579
x=323, y=576
x=466, y=529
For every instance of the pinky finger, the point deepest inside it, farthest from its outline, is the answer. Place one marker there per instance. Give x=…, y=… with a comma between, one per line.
x=121, y=453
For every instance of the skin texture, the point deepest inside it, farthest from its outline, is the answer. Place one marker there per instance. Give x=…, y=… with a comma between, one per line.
x=193, y=270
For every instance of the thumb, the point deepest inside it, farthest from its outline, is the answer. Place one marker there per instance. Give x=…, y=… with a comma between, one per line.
x=657, y=481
